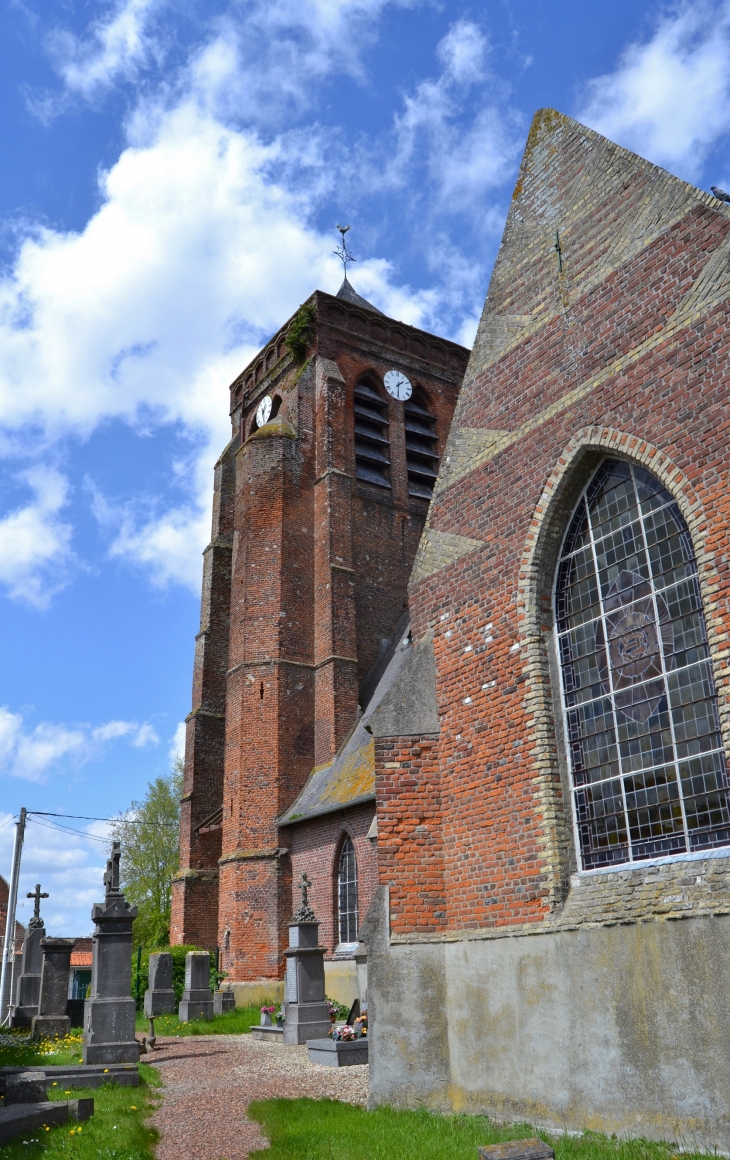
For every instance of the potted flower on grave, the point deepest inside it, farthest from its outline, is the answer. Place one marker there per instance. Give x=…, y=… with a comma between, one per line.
x=266, y=1013
x=280, y=1017
x=361, y=1025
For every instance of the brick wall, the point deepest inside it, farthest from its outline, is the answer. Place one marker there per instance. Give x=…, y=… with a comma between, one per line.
x=625, y=351
x=315, y=849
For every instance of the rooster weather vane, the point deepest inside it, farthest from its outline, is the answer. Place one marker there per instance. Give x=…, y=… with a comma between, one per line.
x=342, y=251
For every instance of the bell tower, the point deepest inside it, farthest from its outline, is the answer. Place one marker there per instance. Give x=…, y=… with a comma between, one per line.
x=320, y=499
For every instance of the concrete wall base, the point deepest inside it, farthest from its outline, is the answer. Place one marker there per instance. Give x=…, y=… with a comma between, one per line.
x=340, y=981
x=619, y=1028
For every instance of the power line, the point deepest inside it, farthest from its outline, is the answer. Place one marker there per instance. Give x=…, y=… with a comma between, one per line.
x=67, y=830
x=84, y=818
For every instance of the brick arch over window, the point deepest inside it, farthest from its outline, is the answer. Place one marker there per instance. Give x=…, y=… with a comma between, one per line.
x=573, y=471
x=346, y=892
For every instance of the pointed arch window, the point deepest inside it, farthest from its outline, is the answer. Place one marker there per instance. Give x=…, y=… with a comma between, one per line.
x=647, y=765
x=347, y=893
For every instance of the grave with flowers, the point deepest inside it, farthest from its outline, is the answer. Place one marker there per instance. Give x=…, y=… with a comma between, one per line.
x=346, y=1044
x=271, y=1027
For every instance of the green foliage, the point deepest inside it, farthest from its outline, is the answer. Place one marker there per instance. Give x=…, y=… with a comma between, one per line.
x=237, y=1022
x=327, y=1130
x=116, y=1131
x=339, y=1010
x=301, y=332
x=149, y=836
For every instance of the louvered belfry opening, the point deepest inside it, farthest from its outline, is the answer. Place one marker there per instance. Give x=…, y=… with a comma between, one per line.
x=421, y=447
x=372, y=446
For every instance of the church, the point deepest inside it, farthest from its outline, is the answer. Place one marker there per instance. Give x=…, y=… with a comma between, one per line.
x=464, y=658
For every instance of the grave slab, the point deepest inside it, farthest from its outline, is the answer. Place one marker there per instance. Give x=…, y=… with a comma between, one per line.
x=24, y=1119
x=337, y=1052
x=79, y=1075
x=26, y=1087
x=268, y=1034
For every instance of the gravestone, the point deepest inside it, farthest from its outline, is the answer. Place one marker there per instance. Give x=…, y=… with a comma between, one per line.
x=28, y=987
x=52, y=1020
x=197, y=998
x=223, y=1001
x=159, y=998
x=305, y=1007
x=109, y=1015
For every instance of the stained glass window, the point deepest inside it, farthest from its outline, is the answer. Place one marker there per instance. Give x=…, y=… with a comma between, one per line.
x=347, y=893
x=646, y=760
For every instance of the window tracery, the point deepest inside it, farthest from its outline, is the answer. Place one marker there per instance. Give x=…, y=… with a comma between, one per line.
x=647, y=765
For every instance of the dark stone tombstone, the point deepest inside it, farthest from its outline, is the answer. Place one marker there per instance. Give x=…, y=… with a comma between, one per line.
x=28, y=987
x=52, y=1020
x=197, y=998
x=223, y=1001
x=159, y=998
x=305, y=1007
x=530, y=1149
x=109, y=1015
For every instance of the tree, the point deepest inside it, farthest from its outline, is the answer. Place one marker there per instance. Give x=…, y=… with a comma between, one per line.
x=149, y=835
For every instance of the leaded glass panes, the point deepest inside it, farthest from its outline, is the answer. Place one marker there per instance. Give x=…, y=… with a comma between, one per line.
x=347, y=893
x=646, y=760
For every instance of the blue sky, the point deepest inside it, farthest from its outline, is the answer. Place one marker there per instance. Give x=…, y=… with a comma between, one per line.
x=170, y=180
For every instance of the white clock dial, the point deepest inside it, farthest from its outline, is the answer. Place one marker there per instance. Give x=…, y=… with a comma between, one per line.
x=397, y=385
x=263, y=411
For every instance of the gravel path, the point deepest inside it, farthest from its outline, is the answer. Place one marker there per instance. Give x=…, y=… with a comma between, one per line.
x=210, y=1080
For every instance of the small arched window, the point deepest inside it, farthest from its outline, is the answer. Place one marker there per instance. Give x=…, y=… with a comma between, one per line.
x=347, y=893
x=646, y=759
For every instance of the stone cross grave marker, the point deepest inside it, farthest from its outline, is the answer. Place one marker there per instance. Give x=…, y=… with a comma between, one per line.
x=109, y=1015
x=28, y=986
x=305, y=1007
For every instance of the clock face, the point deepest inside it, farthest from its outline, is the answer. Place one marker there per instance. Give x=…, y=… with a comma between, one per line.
x=263, y=411
x=397, y=385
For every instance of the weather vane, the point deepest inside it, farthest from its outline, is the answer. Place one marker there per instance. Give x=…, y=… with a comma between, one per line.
x=342, y=251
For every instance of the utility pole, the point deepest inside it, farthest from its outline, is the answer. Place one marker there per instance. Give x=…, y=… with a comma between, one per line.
x=9, y=944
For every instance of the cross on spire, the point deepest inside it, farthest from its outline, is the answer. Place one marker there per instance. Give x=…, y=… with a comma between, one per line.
x=342, y=251
x=36, y=920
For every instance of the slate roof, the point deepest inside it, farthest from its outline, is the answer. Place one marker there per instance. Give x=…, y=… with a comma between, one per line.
x=350, y=295
x=350, y=778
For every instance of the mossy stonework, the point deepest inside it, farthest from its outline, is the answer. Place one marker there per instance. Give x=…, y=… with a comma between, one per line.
x=504, y=977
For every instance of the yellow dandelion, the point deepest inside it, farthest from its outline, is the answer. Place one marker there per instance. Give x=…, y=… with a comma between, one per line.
x=133, y=1107
x=106, y=1069
x=55, y=1083
x=79, y=1128
x=72, y=1132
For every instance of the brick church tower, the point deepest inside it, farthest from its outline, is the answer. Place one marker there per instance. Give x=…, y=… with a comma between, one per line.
x=338, y=427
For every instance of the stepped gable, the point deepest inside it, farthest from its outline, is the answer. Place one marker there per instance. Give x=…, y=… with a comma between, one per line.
x=604, y=205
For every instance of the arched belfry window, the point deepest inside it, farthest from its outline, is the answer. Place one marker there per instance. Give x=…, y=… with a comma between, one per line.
x=372, y=445
x=347, y=893
x=645, y=753
x=421, y=447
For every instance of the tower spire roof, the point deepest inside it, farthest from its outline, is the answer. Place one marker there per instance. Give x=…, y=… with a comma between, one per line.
x=347, y=292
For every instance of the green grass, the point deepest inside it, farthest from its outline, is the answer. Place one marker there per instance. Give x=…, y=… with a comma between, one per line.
x=327, y=1130
x=236, y=1022
x=116, y=1131
x=17, y=1049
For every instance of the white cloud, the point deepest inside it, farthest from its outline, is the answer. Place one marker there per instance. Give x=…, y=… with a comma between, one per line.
x=35, y=542
x=177, y=745
x=467, y=153
x=32, y=753
x=69, y=868
x=669, y=97
x=114, y=48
